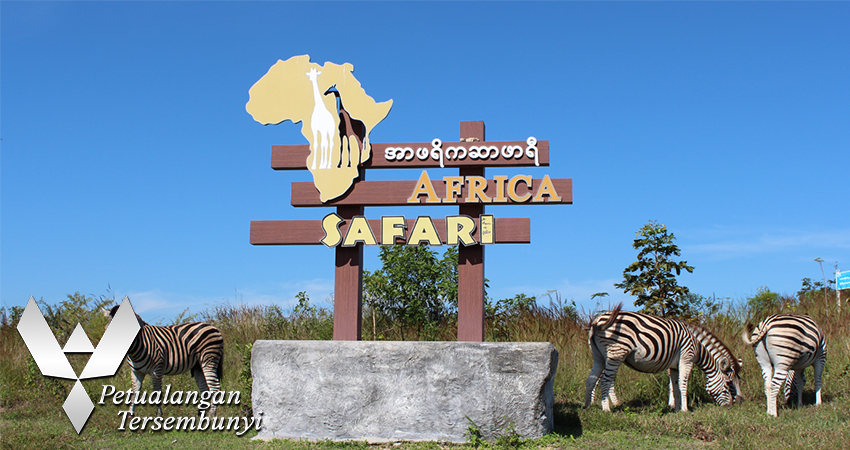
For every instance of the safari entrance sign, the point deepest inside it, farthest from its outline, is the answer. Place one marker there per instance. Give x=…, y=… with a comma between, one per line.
x=337, y=117
x=335, y=113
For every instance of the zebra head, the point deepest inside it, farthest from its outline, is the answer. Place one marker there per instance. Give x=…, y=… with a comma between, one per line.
x=111, y=313
x=724, y=384
x=721, y=368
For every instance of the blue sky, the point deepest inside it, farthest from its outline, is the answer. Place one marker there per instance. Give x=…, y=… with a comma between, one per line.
x=128, y=159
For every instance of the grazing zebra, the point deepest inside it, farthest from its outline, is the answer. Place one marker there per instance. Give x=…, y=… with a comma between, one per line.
x=785, y=345
x=175, y=349
x=651, y=344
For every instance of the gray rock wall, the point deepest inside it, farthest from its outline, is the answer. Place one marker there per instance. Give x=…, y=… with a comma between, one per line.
x=413, y=391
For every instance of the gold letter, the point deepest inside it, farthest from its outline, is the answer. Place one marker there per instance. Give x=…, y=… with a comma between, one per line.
x=359, y=231
x=460, y=229
x=392, y=227
x=477, y=185
x=424, y=230
x=500, y=189
x=453, y=187
x=424, y=186
x=512, y=188
x=330, y=225
x=546, y=188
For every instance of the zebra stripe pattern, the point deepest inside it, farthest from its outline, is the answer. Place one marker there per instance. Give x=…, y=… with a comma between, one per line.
x=785, y=345
x=171, y=350
x=651, y=344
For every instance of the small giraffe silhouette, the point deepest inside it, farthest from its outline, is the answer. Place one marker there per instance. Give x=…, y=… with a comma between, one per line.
x=351, y=131
x=322, y=125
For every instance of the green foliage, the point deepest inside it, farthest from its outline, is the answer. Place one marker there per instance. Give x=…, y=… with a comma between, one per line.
x=246, y=378
x=473, y=434
x=501, y=316
x=651, y=277
x=306, y=321
x=813, y=291
x=763, y=303
x=304, y=308
x=507, y=307
x=509, y=437
x=694, y=306
x=12, y=317
x=413, y=289
x=31, y=415
x=46, y=386
x=184, y=317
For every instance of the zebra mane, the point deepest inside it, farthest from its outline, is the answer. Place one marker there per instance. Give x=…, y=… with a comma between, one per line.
x=722, y=345
x=111, y=315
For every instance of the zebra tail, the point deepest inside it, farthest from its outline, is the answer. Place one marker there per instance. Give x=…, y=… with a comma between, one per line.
x=748, y=331
x=612, y=315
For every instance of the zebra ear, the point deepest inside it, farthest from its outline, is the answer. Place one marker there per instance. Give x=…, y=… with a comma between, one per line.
x=114, y=310
x=740, y=364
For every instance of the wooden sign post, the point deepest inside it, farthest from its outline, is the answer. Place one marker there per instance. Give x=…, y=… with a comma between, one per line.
x=470, y=259
x=348, y=230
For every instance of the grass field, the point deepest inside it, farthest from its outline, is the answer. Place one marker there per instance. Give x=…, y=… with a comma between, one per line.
x=31, y=414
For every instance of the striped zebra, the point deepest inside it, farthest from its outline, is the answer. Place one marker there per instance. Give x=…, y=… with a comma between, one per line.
x=651, y=344
x=176, y=349
x=785, y=345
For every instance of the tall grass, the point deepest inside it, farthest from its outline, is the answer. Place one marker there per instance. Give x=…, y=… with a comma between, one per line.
x=31, y=415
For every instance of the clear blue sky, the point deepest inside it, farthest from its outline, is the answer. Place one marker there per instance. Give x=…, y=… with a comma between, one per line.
x=128, y=158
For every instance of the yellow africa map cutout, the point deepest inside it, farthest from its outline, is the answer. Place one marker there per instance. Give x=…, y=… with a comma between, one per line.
x=335, y=113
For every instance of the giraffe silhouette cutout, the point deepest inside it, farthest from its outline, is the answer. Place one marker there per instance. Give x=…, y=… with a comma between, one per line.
x=352, y=132
x=338, y=134
x=322, y=124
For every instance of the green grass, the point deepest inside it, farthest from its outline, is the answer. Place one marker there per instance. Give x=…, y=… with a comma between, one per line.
x=31, y=414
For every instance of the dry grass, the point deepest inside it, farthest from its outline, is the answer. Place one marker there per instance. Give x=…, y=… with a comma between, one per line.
x=31, y=415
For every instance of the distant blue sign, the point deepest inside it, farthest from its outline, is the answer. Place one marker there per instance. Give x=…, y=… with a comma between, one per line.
x=842, y=280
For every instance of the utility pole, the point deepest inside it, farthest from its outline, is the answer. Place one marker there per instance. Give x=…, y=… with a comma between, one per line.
x=837, y=291
x=820, y=262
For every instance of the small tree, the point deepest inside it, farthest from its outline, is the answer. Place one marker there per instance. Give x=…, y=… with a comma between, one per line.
x=763, y=303
x=413, y=288
x=651, y=278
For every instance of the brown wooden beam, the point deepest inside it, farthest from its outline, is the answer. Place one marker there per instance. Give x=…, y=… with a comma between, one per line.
x=470, y=269
x=294, y=157
x=396, y=193
x=348, y=286
x=509, y=230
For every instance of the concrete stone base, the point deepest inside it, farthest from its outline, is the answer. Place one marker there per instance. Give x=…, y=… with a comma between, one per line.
x=402, y=391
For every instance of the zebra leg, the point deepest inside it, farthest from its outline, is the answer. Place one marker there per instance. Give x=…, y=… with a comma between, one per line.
x=763, y=358
x=675, y=395
x=612, y=396
x=593, y=379
x=210, y=372
x=208, y=378
x=789, y=387
x=684, y=375
x=820, y=362
x=800, y=378
x=772, y=389
x=156, y=378
x=606, y=382
x=201, y=381
x=138, y=377
x=616, y=356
